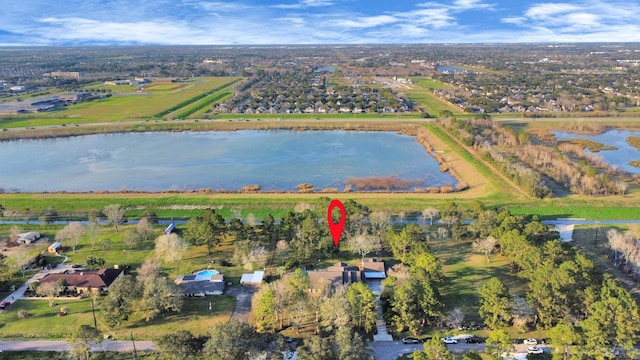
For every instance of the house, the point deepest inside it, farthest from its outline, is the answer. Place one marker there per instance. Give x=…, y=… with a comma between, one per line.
x=82, y=282
x=55, y=247
x=333, y=276
x=202, y=283
x=28, y=238
x=252, y=279
x=373, y=272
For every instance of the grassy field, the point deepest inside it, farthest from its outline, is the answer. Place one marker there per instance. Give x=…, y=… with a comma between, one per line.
x=421, y=94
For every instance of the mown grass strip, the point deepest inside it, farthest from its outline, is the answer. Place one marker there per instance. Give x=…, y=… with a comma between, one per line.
x=202, y=104
x=194, y=99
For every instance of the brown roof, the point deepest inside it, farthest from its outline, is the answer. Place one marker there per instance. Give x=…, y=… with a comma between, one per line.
x=370, y=264
x=95, y=278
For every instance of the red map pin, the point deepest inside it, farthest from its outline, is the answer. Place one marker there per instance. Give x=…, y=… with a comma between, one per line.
x=336, y=229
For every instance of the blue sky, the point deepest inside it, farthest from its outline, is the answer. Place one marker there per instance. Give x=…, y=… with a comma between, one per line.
x=239, y=22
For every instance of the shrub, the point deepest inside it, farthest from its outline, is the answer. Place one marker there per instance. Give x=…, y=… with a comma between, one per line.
x=23, y=314
x=64, y=310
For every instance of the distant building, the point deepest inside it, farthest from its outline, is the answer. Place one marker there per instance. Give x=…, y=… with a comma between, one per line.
x=55, y=247
x=28, y=237
x=117, y=82
x=66, y=74
x=17, y=88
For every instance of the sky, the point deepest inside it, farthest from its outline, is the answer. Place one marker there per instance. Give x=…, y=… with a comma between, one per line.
x=266, y=22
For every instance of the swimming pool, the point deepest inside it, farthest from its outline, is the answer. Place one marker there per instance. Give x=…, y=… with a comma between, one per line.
x=206, y=274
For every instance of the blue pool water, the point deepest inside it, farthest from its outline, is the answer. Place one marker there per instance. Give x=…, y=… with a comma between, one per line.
x=206, y=274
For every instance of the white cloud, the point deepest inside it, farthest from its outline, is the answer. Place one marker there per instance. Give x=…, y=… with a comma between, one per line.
x=471, y=4
x=549, y=9
x=304, y=4
x=363, y=22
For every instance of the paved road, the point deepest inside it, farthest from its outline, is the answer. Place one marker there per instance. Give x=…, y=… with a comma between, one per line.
x=49, y=345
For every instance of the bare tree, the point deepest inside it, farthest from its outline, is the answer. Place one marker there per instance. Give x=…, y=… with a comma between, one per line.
x=379, y=223
x=258, y=256
x=430, y=213
x=171, y=247
x=92, y=229
x=363, y=244
x=522, y=312
x=251, y=219
x=443, y=233
x=148, y=271
x=48, y=289
x=486, y=245
x=454, y=318
x=302, y=206
x=71, y=233
x=115, y=215
x=15, y=231
x=131, y=238
x=144, y=228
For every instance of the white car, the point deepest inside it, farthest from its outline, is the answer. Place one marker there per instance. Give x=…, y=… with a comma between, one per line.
x=534, y=350
x=449, y=340
x=530, y=342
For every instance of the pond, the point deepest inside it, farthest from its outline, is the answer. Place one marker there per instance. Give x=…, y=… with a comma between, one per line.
x=217, y=160
x=617, y=138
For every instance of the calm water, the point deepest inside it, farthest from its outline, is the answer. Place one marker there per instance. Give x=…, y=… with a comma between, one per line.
x=155, y=161
x=449, y=69
x=618, y=138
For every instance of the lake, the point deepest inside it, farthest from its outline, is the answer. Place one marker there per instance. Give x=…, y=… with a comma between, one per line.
x=449, y=69
x=618, y=138
x=218, y=160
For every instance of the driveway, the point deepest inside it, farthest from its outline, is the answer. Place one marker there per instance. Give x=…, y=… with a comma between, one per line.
x=243, y=295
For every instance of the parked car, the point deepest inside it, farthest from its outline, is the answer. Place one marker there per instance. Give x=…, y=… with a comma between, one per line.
x=473, y=340
x=449, y=340
x=534, y=350
x=410, y=341
x=4, y=305
x=76, y=266
x=530, y=342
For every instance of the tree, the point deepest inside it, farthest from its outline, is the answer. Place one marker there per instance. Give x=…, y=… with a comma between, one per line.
x=118, y=304
x=471, y=355
x=180, y=345
x=82, y=339
x=316, y=348
x=115, y=215
x=19, y=260
x=402, y=242
x=263, y=310
x=563, y=336
x=48, y=216
x=48, y=289
x=498, y=343
x=363, y=306
x=71, y=233
x=430, y=213
x=159, y=296
x=611, y=320
x=454, y=318
x=171, y=247
x=131, y=239
x=206, y=229
x=144, y=227
x=434, y=349
x=495, y=303
x=486, y=245
x=379, y=224
x=351, y=346
x=363, y=244
x=233, y=340
x=148, y=271
x=522, y=312
x=92, y=229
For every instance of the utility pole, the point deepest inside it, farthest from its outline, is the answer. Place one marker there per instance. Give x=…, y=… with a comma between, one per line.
x=93, y=310
x=595, y=241
x=135, y=353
